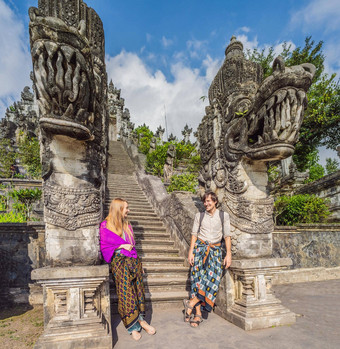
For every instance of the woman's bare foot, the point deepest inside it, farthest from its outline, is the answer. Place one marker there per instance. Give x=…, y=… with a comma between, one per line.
x=148, y=328
x=136, y=335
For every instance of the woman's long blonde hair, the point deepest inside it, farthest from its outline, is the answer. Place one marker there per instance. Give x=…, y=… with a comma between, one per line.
x=115, y=220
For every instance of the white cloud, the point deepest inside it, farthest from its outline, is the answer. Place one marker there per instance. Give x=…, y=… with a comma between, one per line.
x=247, y=44
x=318, y=13
x=166, y=42
x=245, y=29
x=332, y=63
x=15, y=59
x=146, y=92
x=196, y=48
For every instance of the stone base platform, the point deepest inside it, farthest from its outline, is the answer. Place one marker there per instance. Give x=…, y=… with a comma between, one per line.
x=76, y=307
x=253, y=306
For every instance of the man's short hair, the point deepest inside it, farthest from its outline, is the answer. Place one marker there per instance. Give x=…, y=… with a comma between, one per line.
x=212, y=195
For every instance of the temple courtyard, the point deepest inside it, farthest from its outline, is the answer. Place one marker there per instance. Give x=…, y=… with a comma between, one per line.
x=317, y=305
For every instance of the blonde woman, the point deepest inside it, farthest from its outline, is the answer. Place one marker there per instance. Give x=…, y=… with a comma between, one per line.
x=117, y=245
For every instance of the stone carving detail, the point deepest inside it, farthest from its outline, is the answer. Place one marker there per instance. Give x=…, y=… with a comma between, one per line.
x=115, y=110
x=22, y=116
x=160, y=133
x=186, y=133
x=71, y=208
x=169, y=163
x=249, y=122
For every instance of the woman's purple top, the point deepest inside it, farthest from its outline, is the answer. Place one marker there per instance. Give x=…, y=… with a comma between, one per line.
x=109, y=242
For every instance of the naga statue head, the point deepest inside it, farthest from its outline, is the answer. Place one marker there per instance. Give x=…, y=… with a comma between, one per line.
x=250, y=121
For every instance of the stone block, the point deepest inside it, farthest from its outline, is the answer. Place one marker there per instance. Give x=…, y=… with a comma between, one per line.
x=248, y=301
x=76, y=307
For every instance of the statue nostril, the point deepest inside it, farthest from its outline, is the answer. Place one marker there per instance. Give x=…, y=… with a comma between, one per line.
x=309, y=67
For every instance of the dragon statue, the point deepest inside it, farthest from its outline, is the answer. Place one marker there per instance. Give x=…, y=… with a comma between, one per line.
x=249, y=122
x=70, y=82
x=67, y=47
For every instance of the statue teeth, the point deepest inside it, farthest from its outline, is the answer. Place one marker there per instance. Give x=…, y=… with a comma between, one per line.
x=280, y=95
x=270, y=102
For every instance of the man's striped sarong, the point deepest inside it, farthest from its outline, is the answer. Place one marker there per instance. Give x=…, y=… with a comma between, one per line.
x=206, y=273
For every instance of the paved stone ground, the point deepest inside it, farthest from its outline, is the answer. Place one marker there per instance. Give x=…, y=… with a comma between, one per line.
x=318, y=326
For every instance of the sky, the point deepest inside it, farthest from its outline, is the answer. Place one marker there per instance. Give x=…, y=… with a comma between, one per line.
x=164, y=54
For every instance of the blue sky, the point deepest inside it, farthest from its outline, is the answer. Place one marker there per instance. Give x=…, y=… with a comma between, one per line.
x=164, y=54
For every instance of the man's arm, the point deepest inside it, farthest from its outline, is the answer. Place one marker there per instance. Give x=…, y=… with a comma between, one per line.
x=227, y=259
x=191, y=250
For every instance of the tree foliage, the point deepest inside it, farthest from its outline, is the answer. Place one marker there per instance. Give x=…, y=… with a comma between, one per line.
x=332, y=165
x=145, y=134
x=7, y=158
x=29, y=153
x=302, y=208
x=321, y=125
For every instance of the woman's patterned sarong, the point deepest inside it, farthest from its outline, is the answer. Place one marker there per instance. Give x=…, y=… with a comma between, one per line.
x=128, y=276
x=206, y=273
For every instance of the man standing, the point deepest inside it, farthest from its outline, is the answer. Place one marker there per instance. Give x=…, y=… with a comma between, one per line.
x=205, y=257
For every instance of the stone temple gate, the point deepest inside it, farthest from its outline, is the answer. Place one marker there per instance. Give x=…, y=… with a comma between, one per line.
x=249, y=122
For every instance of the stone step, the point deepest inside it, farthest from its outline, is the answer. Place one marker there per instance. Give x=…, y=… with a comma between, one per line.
x=160, y=284
x=158, y=299
x=163, y=271
x=148, y=229
x=160, y=260
x=146, y=223
x=154, y=243
x=137, y=216
x=139, y=236
x=157, y=251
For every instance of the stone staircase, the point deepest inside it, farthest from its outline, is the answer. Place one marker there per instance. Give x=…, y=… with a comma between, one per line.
x=166, y=278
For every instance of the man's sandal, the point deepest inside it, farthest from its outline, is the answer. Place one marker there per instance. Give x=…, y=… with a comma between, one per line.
x=186, y=307
x=197, y=322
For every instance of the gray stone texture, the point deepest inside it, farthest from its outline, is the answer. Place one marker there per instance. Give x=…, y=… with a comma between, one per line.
x=308, y=247
x=22, y=250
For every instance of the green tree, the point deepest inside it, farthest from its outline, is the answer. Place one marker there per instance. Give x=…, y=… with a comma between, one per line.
x=29, y=154
x=332, y=165
x=7, y=158
x=316, y=171
x=145, y=134
x=302, y=208
x=25, y=199
x=321, y=125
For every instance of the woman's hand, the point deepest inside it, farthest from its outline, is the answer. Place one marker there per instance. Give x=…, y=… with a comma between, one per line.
x=191, y=258
x=127, y=247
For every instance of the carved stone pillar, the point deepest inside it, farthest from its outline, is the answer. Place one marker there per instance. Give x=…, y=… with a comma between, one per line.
x=67, y=47
x=251, y=303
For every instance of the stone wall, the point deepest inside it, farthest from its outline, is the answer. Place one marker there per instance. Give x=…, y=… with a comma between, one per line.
x=327, y=187
x=22, y=250
x=308, y=246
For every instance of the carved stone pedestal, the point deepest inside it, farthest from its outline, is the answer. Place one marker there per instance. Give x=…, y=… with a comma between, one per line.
x=253, y=305
x=76, y=307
